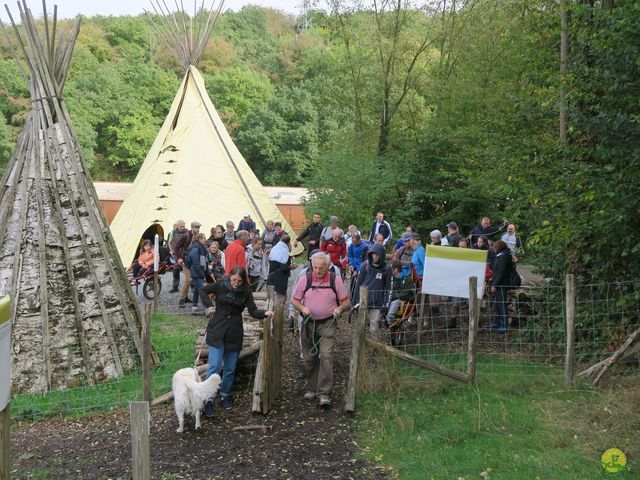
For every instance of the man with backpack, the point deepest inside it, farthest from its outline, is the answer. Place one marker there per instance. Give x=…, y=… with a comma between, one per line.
x=320, y=296
x=376, y=275
x=182, y=243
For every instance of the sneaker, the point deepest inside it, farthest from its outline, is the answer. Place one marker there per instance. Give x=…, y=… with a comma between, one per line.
x=208, y=409
x=227, y=403
x=325, y=401
x=173, y=290
x=187, y=300
x=181, y=303
x=309, y=395
x=194, y=308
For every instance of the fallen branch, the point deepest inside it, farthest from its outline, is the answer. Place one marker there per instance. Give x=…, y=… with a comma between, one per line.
x=251, y=427
x=597, y=371
x=246, y=352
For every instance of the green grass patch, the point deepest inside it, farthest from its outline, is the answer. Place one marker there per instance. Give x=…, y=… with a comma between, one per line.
x=173, y=340
x=525, y=425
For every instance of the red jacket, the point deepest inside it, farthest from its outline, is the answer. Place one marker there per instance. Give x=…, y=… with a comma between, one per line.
x=234, y=255
x=337, y=252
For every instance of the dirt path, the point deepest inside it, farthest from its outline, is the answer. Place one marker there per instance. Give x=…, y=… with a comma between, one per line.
x=303, y=441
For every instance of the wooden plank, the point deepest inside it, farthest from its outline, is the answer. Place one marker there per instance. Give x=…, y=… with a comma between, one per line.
x=447, y=372
x=357, y=352
x=279, y=320
x=146, y=353
x=5, y=426
x=570, y=300
x=266, y=365
x=140, y=445
x=257, y=383
x=420, y=318
x=474, y=317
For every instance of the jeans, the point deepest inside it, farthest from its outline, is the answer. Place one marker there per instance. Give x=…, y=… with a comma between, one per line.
x=501, y=307
x=196, y=285
x=394, y=306
x=219, y=357
x=176, y=276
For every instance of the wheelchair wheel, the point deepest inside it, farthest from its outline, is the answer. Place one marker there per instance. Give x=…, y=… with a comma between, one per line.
x=147, y=288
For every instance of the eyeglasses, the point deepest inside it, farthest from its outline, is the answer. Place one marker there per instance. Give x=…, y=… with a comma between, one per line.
x=235, y=281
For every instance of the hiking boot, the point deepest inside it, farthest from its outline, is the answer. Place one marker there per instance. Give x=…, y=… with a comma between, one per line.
x=173, y=290
x=452, y=322
x=227, y=403
x=209, y=411
x=187, y=300
x=181, y=303
x=325, y=401
x=309, y=395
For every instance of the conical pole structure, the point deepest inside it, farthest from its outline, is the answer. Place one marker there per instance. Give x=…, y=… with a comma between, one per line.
x=75, y=319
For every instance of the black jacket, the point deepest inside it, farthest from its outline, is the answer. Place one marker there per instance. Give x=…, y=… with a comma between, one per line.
x=226, y=323
x=222, y=242
x=313, y=231
x=503, y=269
x=376, y=278
x=279, y=274
x=384, y=229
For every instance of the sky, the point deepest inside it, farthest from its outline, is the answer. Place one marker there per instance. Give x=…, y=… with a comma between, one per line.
x=88, y=8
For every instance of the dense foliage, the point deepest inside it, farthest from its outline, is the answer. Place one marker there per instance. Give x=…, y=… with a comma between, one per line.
x=429, y=115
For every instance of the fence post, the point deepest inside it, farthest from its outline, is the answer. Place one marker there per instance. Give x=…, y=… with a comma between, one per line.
x=146, y=353
x=570, y=284
x=474, y=311
x=140, y=446
x=5, y=426
x=420, y=317
x=271, y=297
x=278, y=324
x=267, y=347
x=357, y=352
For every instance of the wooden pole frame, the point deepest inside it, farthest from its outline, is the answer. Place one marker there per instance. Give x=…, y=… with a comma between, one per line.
x=474, y=317
x=140, y=443
x=146, y=353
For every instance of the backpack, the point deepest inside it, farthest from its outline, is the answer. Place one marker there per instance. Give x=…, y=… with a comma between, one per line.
x=332, y=285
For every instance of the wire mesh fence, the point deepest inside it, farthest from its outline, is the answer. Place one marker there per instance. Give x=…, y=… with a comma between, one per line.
x=173, y=336
x=435, y=329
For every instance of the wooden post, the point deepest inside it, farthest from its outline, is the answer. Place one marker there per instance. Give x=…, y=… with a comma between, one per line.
x=271, y=297
x=140, y=446
x=5, y=427
x=267, y=347
x=420, y=317
x=146, y=353
x=257, y=381
x=357, y=352
x=278, y=323
x=474, y=316
x=571, y=314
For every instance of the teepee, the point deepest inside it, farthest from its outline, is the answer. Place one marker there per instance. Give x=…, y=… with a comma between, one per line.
x=75, y=320
x=193, y=171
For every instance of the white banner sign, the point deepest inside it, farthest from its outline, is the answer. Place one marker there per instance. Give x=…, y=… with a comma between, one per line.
x=447, y=271
x=5, y=351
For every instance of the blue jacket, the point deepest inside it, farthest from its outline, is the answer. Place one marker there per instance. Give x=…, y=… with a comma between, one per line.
x=242, y=225
x=377, y=278
x=356, y=254
x=198, y=257
x=418, y=260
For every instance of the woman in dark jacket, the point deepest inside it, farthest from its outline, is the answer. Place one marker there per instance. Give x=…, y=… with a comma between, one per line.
x=224, y=331
x=500, y=284
x=196, y=259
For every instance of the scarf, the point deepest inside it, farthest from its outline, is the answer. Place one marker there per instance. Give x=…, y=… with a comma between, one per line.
x=279, y=253
x=232, y=292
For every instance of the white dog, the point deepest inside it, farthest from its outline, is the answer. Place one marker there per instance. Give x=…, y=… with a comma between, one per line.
x=190, y=393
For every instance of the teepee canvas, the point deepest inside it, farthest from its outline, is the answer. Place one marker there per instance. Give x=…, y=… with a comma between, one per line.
x=193, y=171
x=75, y=319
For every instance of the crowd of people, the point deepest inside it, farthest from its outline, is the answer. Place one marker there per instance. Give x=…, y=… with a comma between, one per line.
x=232, y=264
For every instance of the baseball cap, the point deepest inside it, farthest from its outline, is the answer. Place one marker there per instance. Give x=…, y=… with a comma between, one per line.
x=247, y=215
x=452, y=225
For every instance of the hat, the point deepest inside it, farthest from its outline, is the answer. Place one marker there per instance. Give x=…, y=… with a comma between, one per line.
x=436, y=233
x=452, y=225
x=196, y=224
x=247, y=215
x=414, y=235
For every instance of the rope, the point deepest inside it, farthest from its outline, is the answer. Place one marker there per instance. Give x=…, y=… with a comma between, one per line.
x=315, y=345
x=204, y=342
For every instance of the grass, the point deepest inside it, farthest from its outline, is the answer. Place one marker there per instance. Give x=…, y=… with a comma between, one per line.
x=173, y=339
x=418, y=425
